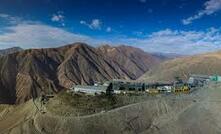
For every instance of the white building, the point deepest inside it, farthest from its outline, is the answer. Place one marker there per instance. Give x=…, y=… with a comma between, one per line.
x=92, y=90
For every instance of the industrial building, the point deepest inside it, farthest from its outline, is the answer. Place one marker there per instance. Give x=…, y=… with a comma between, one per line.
x=114, y=86
x=127, y=85
x=215, y=78
x=201, y=80
x=117, y=86
x=92, y=90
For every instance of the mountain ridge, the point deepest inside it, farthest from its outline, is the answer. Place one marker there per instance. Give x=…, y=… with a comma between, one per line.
x=25, y=74
x=206, y=64
x=10, y=50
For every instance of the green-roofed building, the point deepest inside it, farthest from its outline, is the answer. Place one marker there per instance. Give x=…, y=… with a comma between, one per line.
x=216, y=78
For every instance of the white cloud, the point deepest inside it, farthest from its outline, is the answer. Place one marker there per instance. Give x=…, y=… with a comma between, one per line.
x=39, y=36
x=210, y=7
x=165, y=41
x=4, y=15
x=83, y=22
x=58, y=17
x=95, y=24
x=139, y=33
x=109, y=29
x=10, y=19
x=29, y=34
x=181, y=42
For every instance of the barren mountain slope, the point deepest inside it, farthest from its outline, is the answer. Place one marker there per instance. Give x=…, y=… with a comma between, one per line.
x=134, y=60
x=85, y=65
x=28, y=73
x=208, y=64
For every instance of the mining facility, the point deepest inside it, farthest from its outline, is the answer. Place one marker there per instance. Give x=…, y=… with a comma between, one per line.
x=118, y=86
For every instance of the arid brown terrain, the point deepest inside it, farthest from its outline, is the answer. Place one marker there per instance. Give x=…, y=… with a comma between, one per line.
x=134, y=60
x=198, y=112
x=27, y=73
x=207, y=64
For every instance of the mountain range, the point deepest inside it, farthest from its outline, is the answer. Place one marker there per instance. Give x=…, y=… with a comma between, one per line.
x=25, y=74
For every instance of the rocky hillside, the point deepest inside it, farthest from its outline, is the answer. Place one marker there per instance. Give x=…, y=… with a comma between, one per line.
x=133, y=60
x=28, y=73
x=10, y=50
x=208, y=64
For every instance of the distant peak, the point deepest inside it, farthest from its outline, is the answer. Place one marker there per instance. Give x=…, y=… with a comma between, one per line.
x=10, y=50
x=16, y=47
x=105, y=46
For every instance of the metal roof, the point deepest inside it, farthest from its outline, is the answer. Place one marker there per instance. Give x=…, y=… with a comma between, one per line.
x=98, y=87
x=200, y=76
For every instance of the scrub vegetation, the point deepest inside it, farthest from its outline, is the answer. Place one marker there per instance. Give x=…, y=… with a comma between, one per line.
x=81, y=104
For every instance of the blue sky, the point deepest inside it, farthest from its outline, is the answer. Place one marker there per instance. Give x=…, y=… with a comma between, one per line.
x=166, y=26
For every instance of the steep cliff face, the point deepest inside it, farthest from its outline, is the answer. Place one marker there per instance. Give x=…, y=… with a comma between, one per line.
x=26, y=74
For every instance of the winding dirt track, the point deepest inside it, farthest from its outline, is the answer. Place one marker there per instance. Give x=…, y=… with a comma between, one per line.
x=195, y=113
